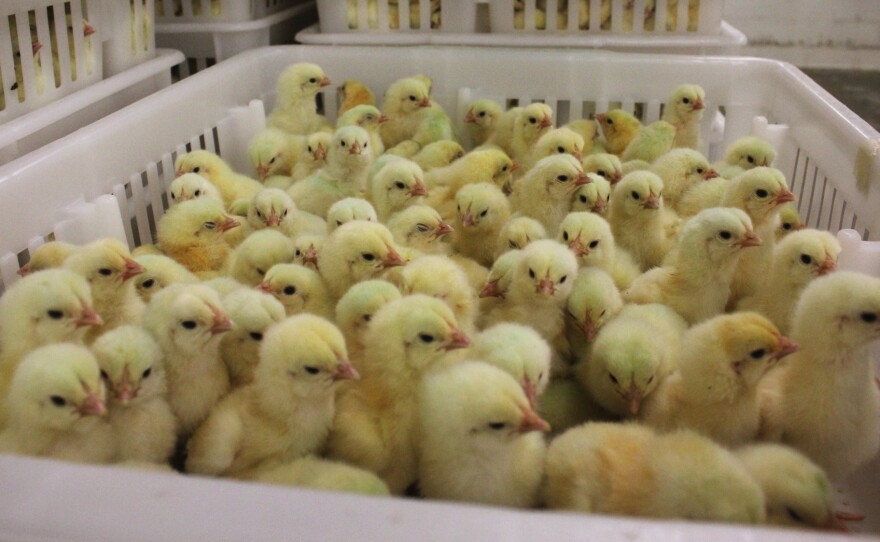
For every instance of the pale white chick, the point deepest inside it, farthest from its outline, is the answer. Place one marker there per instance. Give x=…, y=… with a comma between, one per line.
x=159, y=272
x=232, y=186
x=295, y=110
x=56, y=405
x=481, y=118
x=356, y=309
x=481, y=211
x=545, y=192
x=312, y=157
x=144, y=428
x=398, y=185
x=354, y=252
x=421, y=228
x=639, y=221
x=257, y=254
x=480, y=439
x=593, y=302
x=349, y=209
x=517, y=233
x=299, y=289
x=834, y=323
x=519, y=351
x=273, y=154
x=192, y=234
x=187, y=321
x=252, y=314
x=554, y=141
x=797, y=260
x=370, y=119
x=593, y=197
x=287, y=412
x=713, y=389
x=684, y=110
x=273, y=208
x=589, y=237
x=190, y=186
x=696, y=279
x=604, y=165
x=440, y=277
x=680, y=169
x=744, y=154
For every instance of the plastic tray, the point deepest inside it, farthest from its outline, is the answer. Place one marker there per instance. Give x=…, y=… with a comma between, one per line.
x=377, y=16
x=129, y=35
x=111, y=177
x=204, y=11
x=205, y=44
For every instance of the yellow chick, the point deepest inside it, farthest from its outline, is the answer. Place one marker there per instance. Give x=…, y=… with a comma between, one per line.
x=232, y=186
x=499, y=277
x=287, y=411
x=353, y=93
x=604, y=165
x=190, y=186
x=517, y=233
x=349, y=209
x=144, y=428
x=590, y=239
x=481, y=118
x=797, y=492
x=680, y=169
x=421, y=228
x=619, y=129
x=295, y=110
x=273, y=208
x=442, y=278
x=684, y=111
x=403, y=104
x=545, y=192
x=744, y=154
x=479, y=166
x=354, y=252
x=700, y=196
x=355, y=311
x=652, y=142
x=593, y=302
x=307, y=248
x=587, y=129
x=312, y=157
x=532, y=122
x=273, y=153
x=370, y=119
x=252, y=313
x=789, y=221
x=438, y=154
x=55, y=407
x=224, y=285
x=50, y=255
x=315, y=473
x=519, y=351
x=192, y=234
x=797, y=260
x=481, y=211
x=696, y=279
x=502, y=136
x=593, y=197
x=616, y=469
x=259, y=252
x=480, y=439
x=632, y=355
x=639, y=221
x=713, y=389
x=299, y=289
x=554, y=141
x=399, y=184
x=834, y=322
x=188, y=322
x=107, y=266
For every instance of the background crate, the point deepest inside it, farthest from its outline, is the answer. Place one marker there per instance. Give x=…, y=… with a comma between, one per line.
x=111, y=178
x=174, y=11
x=205, y=44
x=129, y=35
x=398, y=16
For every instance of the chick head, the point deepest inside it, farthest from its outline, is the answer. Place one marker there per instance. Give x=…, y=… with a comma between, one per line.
x=687, y=101
x=481, y=207
x=366, y=116
x=186, y=318
x=519, y=232
x=267, y=151
x=349, y=209
x=252, y=313
x=686, y=165
x=630, y=364
x=560, y=175
x=593, y=197
x=607, y=166
x=617, y=122
x=483, y=113
x=349, y=147
x=56, y=387
x=546, y=270
x=518, y=350
x=559, y=141
x=419, y=227
x=760, y=192
x=194, y=222
x=366, y=249
x=306, y=249
x=49, y=255
x=300, y=81
x=190, y=186
x=106, y=264
x=355, y=310
x=203, y=163
x=414, y=331
x=317, y=145
x=807, y=254
x=717, y=233
x=637, y=192
x=307, y=353
x=789, y=221
x=131, y=365
x=501, y=274
x=258, y=253
x=439, y=153
x=594, y=300
x=291, y=284
x=406, y=95
x=589, y=237
x=841, y=310
x=399, y=183
x=502, y=167
x=534, y=120
x=750, y=152
x=270, y=208
x=47, y=307
x=441, y=278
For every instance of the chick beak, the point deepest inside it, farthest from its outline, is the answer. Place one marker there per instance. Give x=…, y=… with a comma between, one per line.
x=698, y=105
x=545, y=123
x=547, y=287
x=634, y=396
x=320, y=153
x=355, y=148
x=88, y=317
x=273, y=221
x=88, y=30
x=531, y=391
x=325, y=81
x=442, y=229
x=490, y=289
x=827, y=266
x=426, y=102
x=262, y=171
x=222, y=323
x=265, y=287
x=131, y=269
x=599, y=206
x=750, y=239
x=24, y=270
x=616, y=177
x=578, y=247
x=784, y=197
x=589, y=329
x=582, y=179
x=836, y=520
x=418, y=189
x=468, y=220
x=382, y=119
x=125, y=392
x=765, y=162
x=710, y=174
x=311, y=257
x=470, y=118
x=577, y=154
x=227, y=224
x=600, y=117
x=784, y=347
x=92, y=405
x=36, y=46
x=458, y=339
x=651, y=202
x=346, y=371
x=514, y=166
x=393, y=259
x=532, y=422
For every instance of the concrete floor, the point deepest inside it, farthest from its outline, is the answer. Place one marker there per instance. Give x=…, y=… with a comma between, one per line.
x=859, y=90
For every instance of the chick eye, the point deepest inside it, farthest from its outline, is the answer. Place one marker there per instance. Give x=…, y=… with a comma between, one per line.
x=289, y=290
x=260, y=272
x=613, y=378
x=806, y=259
x=485, y=212
x=563, y=279
x=284, y=213
x=512, y=244
x=196, y=169
x=58, y=401
x=609, y=122
x=210, y=225
x=504, y=168
x=298, y=253
x=786, y=225
x=342, y=143
x=761, y=193
x=400, y=185
x=104, y=375
x=55, y=314
x=868, y=317
x=105, y=271
x=757, y=354
x=313, y=80
x=750, y=159
x=560, y=150
x=794, y=515
x=425, y=338
x=594, y=244
x=257, y=336
x=601, y=173
x=497, y=426
x=197, y=193
x=481, y=114
x=601, y=314
x=650, y=379
x=312, y=370
x=412, y=98
x=189, y=324
x=173, y=196
x=634, y=194
x=724, y=235
x=685, y=100
x=147, y=373
x=310, y=148
x=583, y=199
x=367, y=317
x=700, y=170
x=422, y=227
x=565, y=236
x=532, y=120
x=562, y=178
x=338, y=222
x=368, y=257
x=531, y=273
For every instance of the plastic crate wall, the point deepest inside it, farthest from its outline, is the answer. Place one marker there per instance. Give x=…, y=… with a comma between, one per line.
x=381, y=16
x=171, y=11
x=129, y=36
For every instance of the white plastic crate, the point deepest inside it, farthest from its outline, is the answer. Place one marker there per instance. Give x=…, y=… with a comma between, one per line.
x=205, y=44
x=398, y=16
x=205, y=11
x=111, y=178
x=129, y=35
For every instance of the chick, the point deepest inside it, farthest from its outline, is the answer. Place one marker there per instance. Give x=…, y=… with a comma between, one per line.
x=589, y=238
x=312, y=157
x=593, y=302
x=399, y=184
x=714, y=388
x=619, y=129
x=531, y=123
x=421, y=228
x=370, y=119
x=49, y=255
x=481, y=211
x=252, y=314
x=299, y=289
x=440, y=277
x=593, y=197
x=834, y=322
x=480, y=439
x=438, y=154
x=545, y=192
x=349, y=209
x=376, y=426
x=704, y=195
x=696, y=280
x=519, y=351
x=652, y=142
x=273, y=208
x=554, y=141
x=684, y=111
x=232, y=186
x=287, y=411
x=412, y=115
x=55, y=407
x=587, y=129
x=273, y=153
x=626, y=469
x=159, y=272
x=744, y=154
x=789, y=221
x=307, y=249
x=479, y=166
x=344, y=175
x=354, y=252
x=190, y=186
x=499, y=277
x=604, y=165
x=315, y=473
x=481, y=118
x=257, y=254
x=295, y=110
x=797, y=260
x=680, y=169
x=353, y=93
x=639, y=221
x=144, y=428
x=355, y=311
x=517, y=233
x=187, y=321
